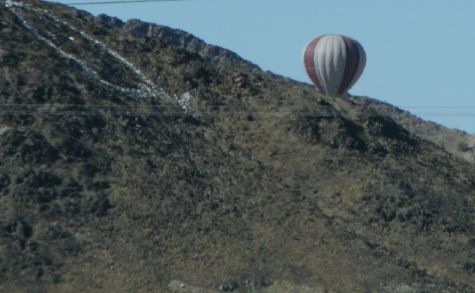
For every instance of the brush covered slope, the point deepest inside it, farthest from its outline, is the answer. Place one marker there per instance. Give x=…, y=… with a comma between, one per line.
x=131, y=161
x=455, y=141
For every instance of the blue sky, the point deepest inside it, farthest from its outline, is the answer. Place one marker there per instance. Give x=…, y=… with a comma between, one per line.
x=421, y=53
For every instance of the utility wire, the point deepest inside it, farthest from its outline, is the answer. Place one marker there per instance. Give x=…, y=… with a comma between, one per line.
x=118, y=2
x=223, y=106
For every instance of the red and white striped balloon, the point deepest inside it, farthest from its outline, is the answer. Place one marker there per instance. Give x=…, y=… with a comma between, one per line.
x=334, y=63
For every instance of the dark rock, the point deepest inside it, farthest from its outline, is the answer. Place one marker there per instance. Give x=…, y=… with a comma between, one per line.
x=114, y=22
x=182, y=40
x=4, y=181
x=43, y=179
x=31, y=146
x=70, y=188
x=99, y=185
x=469, y=266
x=100, y=205
x=229, y=286
x=77, y=126
x=75, y=149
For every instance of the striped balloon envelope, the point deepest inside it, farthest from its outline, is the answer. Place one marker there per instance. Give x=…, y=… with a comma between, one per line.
x=334, y=63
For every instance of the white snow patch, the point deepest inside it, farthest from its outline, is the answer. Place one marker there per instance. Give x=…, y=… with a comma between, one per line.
x=185, y=101
x=145, y=89
x=4, y=129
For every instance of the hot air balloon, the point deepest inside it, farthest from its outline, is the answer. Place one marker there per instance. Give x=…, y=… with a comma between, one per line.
x=334, y=63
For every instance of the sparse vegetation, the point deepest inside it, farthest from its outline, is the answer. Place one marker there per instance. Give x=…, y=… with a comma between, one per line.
x=463, y=146
x=258, y=189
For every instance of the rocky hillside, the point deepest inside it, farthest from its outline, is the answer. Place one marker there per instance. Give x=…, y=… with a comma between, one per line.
x=135, y=158
x=455, y=141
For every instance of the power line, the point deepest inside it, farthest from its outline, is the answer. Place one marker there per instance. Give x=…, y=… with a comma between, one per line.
x=119, y=2
x=132, y=112
x=220, y=106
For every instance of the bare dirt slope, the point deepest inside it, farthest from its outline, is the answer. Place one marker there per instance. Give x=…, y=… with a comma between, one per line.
x=132, y=158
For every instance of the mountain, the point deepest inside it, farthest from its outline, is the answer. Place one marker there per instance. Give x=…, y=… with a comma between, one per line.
x=455, y=141
x=137, y=158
